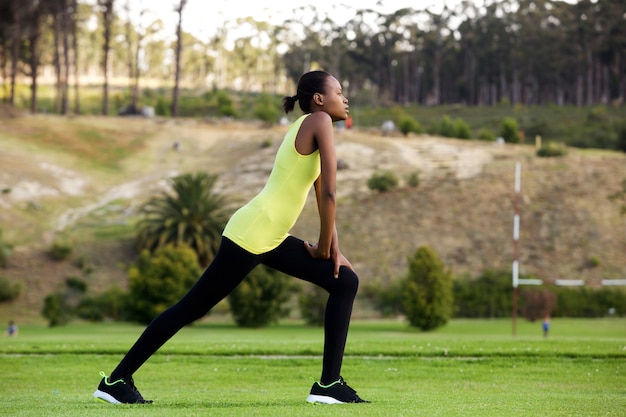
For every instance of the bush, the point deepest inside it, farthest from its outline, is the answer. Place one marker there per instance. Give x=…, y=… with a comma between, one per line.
x=446, y=127
x=312, y=303
x=509, y=131
x=5, y=251
x=413, y=179
x=486, y=134
x=158, y=281
x=162, y=107
x=258, y=300
x=382, y=181
x=462, y=129
x=427, y=291
x=225, y=105
x=9, y=290
x=488, y=296
x=61, y=250
x=56, y=310
x=387, y=300
x=552, y=149
x=265, y=109
x=537, y=303
x=408, y=124
x=109, y=304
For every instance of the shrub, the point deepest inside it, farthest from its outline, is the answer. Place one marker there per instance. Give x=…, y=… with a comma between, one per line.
x=427, y=291
x=413, y=179
x=5, y=251
x=387, y=300
x=312, y=303
x=488, y=296
x=56, y=310
x=462, y=129
x=158, y=281
x=552, y=149
x=9, y=290
x=109, y=304
x=537, y=303
x=162, y=107
x=265, y=109
x=258, y=300
x=225, y=105
x=382, y=181
x=446, y=127
x=408, y=124
x=486, y=134
x=509, y=130
x=61, y=250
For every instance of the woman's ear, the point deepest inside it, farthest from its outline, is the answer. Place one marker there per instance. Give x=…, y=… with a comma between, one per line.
x=317, y=99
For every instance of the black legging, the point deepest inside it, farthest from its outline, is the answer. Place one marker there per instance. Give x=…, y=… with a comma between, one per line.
x=229, y=267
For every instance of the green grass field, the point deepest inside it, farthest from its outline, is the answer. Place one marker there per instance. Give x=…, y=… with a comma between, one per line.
x=467, y=368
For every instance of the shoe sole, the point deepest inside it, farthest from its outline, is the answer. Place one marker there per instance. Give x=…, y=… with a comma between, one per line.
x=103, y=396
x=322, y=399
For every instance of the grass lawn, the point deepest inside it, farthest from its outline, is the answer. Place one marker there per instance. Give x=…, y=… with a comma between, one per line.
x=468, y=368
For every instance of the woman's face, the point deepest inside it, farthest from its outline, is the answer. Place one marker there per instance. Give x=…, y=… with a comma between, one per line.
x=334, y=102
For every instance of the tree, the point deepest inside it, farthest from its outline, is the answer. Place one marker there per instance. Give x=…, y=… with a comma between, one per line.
x=190, y=214
x=427, y=291
x=106, y=7
x=179, y=49
x=258, y=300
x=158, y=280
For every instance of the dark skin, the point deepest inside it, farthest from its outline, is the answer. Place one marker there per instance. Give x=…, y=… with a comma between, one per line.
x=316, y=133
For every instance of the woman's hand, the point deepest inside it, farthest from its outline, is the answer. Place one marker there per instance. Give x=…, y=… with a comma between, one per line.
x=337, y=257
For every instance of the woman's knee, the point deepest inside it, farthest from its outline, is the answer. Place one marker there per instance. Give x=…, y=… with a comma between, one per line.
x=348, y=280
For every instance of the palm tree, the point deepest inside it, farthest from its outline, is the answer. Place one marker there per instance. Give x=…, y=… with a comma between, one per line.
x=191, y=214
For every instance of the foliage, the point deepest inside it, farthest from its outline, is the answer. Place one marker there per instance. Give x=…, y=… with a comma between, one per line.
x=312, y=303
x=266, y=109
x=552, y=149
x=462, y=129
x=382, y=181
x=427, y=290
x=9, y=290
x=225, y=105
x=386, y=299
x=620, y=128
x=109, y=304
x=486, y=134
x=408, y=124
x=192, y=214
x=413, y=179
x=55, y=310
x=158, y=280
x=445, y=127
x=589, y=302
x=509, y=130
x=537, y=303
x=5, y=251
x=258, y=300
x=488, y=296
x=61, y=250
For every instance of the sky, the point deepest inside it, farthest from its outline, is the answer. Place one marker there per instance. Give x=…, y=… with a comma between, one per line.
x=202, y=17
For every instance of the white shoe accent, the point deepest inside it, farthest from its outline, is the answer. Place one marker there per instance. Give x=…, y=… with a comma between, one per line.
x=322, y=399
x=105, y=397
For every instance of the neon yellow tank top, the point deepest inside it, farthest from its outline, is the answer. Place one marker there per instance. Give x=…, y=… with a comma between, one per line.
x=264, y=222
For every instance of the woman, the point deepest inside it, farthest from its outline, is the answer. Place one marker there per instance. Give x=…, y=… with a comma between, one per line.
x=258, y=233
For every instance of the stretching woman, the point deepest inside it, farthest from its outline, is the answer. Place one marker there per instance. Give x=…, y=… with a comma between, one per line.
x=258, y=233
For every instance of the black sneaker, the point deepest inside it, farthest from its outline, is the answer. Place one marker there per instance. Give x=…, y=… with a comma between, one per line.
x=122, y=391
x=336, y=393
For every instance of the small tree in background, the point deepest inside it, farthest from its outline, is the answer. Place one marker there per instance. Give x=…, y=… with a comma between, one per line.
x=258, y=300
x=408, y=124
x=537, y=303
x=427, y=292
x=313, y=305
x=509, y=131
x=157, y=281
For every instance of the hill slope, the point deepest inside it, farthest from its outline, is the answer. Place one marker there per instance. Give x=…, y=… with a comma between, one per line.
x=83, y=179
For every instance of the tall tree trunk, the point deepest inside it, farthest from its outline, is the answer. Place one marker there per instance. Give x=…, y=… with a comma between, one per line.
x=75, y=56
x=57, y=62
x=589, y=77
x=65, y=28
x=179, y=49
x=34, y=56
x=107, y=18
x=15, y=48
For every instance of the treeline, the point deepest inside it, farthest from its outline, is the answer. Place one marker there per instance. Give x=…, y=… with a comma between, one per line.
x=529, y=52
